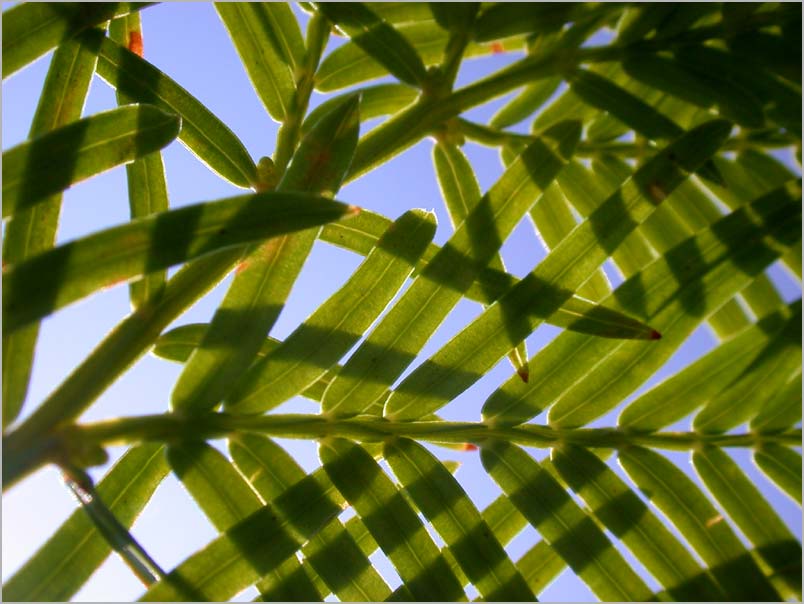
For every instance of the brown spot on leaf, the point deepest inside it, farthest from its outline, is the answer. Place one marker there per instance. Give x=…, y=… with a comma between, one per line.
x=135, y=43
x=497, y=48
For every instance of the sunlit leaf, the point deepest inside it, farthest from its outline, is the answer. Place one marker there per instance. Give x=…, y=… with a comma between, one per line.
x=391, y=520
x=30, y=30
x=568, y=529
x=53, y=279
x=268, y=271
x=32, y=231
x=67, y=560
x=701, y=523
x=203, y=133
x=337, y=325
x=52, y=162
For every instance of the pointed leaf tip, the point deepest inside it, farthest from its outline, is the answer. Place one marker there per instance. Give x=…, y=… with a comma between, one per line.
x=469, y=447
x=655, y=335
x=524, y=373
x=352, y=211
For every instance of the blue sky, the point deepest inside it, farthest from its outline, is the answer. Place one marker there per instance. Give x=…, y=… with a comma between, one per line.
x=189, y=43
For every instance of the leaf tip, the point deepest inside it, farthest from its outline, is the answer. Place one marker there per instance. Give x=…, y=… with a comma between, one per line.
x=524, y=373
x=135, y=43
x=469, y=447
x=655, y=335
x=352, y=211
x=497, y=48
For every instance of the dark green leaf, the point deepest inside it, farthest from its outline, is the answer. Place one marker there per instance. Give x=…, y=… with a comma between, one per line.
x=203, y=133
x=269, y=63
x=391, y=520
x=700, y=522
x=377, y=38
x=52, y=162
x=30, y=30
x=32, y=231
x=328, y=334
x=40, y=285
x=267, y=273
x=445, y=504
x=563, y=524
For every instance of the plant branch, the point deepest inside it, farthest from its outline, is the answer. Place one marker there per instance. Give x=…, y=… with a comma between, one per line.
x=289, y=133
x=174, y=427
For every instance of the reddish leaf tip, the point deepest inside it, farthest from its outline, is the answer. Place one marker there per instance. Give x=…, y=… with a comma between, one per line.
x=135, y=43
x=241, y=267
x=469, y=447
x=524, y=373
x=353, y=211
x=655, y=335
x=497, y=48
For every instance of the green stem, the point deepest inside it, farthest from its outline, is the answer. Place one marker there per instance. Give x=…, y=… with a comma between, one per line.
x=453, y=55
x=289, y=133
x=173, y=427
x=19, y=461
x=494, y=137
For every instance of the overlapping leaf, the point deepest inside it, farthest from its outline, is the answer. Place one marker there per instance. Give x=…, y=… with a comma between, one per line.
x=54, y=161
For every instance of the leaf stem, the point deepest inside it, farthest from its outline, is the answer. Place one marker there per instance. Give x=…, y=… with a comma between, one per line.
x=289, y=133
x=172, y=427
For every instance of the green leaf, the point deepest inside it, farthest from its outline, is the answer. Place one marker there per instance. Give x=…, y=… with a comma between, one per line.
x=393, y=344
x=445, y=504
x=700, y=522
x=203, y=133
x=752, y=514
x=461, y=193
x=147, y=188
x=391, y=520
x=525, y=103
x=377, y=38
x=455, y=18
x=220, y=491
x=266, y=276
x=53, y=279
x=782, y=466
x=582, y=370
x=30, y=232
x=401, y=12
x=781, y=103
x=709, y=91
x=178, y=344
x=349, y=64
x=30, y=30
x=328, y=334
x=605, y=95
x=227, y=498
x=375, y=101
x=783, y=410
x=127, y=341
x=623, y=513
x=504, y=20
x=52, y=162
x=334, y=554
x=514, y=316
x=540, y=565
x=762, y=378
x=256, y=36
x=562, y=523
x=690, y=388
x=360, y=233
x=251, y=548
x=554, y=220
x=76, y=549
